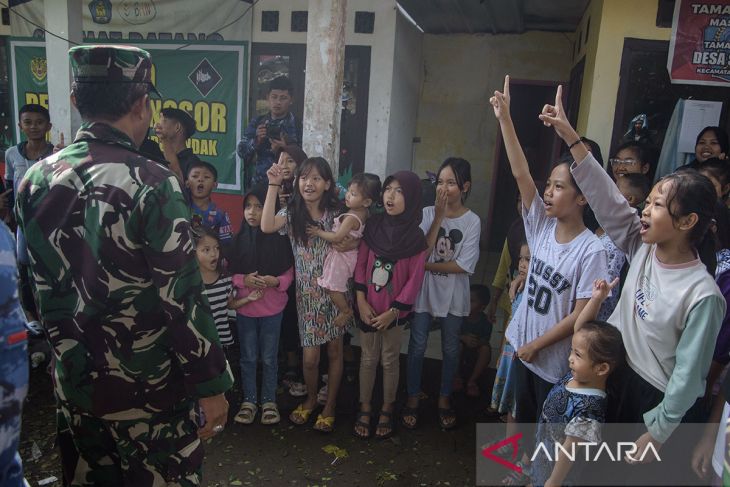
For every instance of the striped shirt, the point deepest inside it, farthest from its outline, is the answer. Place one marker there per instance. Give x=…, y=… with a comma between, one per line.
x=217, y=294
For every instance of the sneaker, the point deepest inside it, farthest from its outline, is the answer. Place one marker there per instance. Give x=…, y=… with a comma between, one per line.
x=297, y=389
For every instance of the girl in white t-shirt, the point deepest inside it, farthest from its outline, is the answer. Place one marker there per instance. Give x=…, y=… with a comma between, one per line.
x=566, y=259
x=452, y=232
x=670, y=309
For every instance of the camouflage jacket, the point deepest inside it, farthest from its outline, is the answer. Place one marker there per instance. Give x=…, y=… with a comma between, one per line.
x=117, y=282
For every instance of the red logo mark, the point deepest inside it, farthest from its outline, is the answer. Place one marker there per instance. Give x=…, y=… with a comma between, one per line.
x=512, y=440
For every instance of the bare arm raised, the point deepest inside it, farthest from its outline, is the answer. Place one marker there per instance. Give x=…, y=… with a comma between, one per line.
x=517, y=161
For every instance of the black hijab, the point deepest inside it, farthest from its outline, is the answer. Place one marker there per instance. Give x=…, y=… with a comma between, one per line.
x=253, y=250
x=399, y=237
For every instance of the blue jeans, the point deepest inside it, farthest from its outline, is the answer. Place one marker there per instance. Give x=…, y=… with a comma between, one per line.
x=450, y=330
x=259, y=337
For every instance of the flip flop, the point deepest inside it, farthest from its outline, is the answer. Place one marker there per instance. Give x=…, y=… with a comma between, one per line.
x=300, y=416
x=388, y=423
x=444, y=414
x=324, y=424
x=408, y=411
x=363, y=424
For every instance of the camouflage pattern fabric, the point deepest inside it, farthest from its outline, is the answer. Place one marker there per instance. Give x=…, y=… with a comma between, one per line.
x=13, y=363
x=111, y=64
x=117, y=283
x=162, y=451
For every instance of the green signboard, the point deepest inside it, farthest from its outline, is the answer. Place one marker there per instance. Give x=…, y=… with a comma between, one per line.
x=206, y=79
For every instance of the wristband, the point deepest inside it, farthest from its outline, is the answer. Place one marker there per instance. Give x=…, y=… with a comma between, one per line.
x=277, y=185
x=575, y=143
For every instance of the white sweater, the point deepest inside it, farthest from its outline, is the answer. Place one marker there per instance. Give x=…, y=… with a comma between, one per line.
x=669, y=316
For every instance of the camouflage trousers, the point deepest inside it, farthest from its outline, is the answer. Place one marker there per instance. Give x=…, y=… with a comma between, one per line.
x=161, y=451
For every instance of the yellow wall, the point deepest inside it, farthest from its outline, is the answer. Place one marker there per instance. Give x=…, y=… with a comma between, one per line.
x=611, y=22
x=460, y=74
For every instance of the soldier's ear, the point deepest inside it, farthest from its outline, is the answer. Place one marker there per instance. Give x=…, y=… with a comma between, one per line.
x=73, y=99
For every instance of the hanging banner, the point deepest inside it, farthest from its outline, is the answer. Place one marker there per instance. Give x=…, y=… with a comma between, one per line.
x=177, y=20
x=699, y=50
x=206, y=79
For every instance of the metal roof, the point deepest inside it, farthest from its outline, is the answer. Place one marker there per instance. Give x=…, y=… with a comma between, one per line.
x=495, y=16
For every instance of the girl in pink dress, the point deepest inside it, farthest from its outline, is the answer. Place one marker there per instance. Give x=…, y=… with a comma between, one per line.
x=339, y=267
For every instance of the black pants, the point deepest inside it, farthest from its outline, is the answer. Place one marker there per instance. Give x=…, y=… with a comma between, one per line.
x=530, y=393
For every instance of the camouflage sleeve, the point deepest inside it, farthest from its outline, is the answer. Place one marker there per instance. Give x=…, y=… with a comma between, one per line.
x=247, y=145
x=174, y=270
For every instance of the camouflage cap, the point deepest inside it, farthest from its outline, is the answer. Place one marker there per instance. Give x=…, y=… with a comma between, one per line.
x=111, y=64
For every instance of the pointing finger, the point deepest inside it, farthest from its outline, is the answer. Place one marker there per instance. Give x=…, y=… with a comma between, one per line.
x=506, y=85
x=559, y=98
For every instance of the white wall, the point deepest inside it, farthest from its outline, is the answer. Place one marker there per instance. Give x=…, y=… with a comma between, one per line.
x=381, y=42
x=405, y=94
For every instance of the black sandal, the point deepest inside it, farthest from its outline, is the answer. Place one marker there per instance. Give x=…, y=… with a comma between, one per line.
x=362, y=424
x=447, y=418
x=409, y=412
x=388, y=423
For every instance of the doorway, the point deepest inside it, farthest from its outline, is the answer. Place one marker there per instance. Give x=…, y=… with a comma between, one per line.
x=269, y=60
x=541, y=147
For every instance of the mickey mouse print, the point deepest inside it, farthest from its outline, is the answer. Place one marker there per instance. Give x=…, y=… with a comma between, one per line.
x=454, y=256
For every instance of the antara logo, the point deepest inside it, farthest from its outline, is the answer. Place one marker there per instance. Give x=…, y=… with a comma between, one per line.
x=513, y=440
x=588, y=451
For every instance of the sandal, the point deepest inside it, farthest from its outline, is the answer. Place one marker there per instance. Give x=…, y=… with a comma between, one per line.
x=270, y=413
x=297, y=389
x=300, y=415
x=363, y=424
x=388, y=423
x=472, y=389
x=324, y=424
x=409, y=412
x=447, y=418
x=246, y=414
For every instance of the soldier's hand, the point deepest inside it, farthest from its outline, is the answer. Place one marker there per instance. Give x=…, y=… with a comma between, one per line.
x=215, y=409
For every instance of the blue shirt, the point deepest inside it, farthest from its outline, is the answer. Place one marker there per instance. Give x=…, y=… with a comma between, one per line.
x=13, y=362
x=265, y=157
x=214, y=218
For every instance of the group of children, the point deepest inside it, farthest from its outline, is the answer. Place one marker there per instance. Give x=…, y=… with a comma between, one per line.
x=654, y=343
x=630, y=299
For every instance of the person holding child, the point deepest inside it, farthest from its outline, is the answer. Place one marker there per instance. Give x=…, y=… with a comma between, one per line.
x=452, y=233
x=314, y=202
x=263, y=269
x=670, y=309
x=388, y=277
x=201, y=181
x=338, y=268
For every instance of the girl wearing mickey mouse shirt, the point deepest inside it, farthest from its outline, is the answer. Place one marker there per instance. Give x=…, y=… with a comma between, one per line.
x=452, y=232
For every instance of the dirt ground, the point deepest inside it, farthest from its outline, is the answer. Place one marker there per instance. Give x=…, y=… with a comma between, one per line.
x=286, y=455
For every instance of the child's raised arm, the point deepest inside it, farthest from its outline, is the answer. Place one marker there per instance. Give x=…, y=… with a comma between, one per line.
x=601, y=290
x=349, y=223
x=270, y=221
x=517, y=161
x=612, y=211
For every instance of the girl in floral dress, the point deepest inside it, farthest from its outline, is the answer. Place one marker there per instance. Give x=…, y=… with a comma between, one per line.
x=314, y=202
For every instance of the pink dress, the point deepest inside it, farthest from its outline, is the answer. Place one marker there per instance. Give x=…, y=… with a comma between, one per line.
x=339, y=267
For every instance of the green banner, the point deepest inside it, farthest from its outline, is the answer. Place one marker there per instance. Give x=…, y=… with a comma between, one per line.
x=206, y=79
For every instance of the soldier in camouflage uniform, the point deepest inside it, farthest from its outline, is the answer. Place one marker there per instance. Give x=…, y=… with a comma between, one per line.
x=13, y=363
x=119, y=288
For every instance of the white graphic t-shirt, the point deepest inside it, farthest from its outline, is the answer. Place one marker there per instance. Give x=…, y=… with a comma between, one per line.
x=559, y=275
